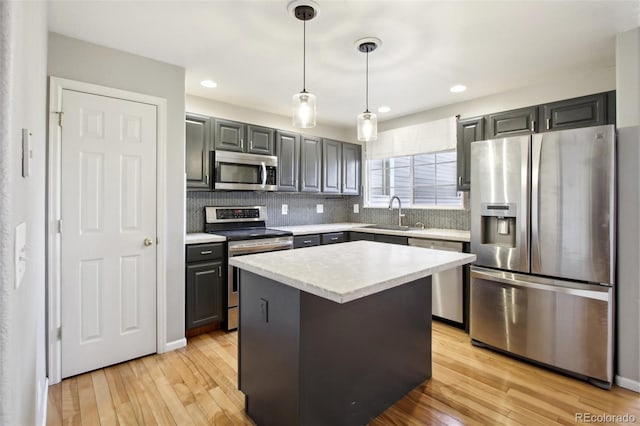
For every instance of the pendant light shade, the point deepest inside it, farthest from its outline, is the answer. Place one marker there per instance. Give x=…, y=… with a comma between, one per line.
x=367, y=126
x=304, y=110
x=304, y=103
x=367, y=121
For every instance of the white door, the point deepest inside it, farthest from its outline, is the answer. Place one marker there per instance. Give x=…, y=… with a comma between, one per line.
x=108, y=238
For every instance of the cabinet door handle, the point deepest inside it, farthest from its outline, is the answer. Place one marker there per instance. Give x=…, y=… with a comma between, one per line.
x=334, y=238
x=207, y=179
x=220, y=271
x=241, y=143
x=206, y=252
x=459, y=180
x=307, y=242
x=548, y=123
x=533, y=125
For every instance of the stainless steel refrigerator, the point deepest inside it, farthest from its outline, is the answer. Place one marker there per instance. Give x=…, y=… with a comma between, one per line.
x=543, y=230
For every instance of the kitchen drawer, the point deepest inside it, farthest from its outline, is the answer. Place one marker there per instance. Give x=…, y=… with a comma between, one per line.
x=301, y=241
x=333, y=237
x=204, y=252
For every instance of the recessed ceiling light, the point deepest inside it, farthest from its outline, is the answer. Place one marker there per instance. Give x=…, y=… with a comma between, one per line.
x=209, y=83
x=384, y=109
x=458, y=88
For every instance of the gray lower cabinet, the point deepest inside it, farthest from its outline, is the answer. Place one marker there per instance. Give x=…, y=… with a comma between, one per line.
x=301, y=241
x=360, y=236
x=198, y=146
x=205, y=277
x=310, y=164
x=351, y=160
x=331, y=166
x=333, y=238
x=468, y=130
x=511, y=123
x=391, y=239
x=288, y=152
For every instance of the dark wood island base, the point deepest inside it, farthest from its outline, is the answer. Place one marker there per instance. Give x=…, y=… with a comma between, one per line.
x=306, y=360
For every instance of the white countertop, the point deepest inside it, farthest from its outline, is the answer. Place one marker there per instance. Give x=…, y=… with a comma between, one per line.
x=349, y=271
x=432, y=233
x=201, y=237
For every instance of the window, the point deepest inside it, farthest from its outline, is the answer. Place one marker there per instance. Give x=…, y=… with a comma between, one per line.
x=422, y=180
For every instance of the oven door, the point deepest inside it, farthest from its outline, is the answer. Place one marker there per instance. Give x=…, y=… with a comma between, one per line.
x=239, y=248
x=240, y=171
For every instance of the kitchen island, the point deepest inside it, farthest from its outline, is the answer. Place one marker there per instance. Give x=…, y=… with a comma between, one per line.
x=335, y=334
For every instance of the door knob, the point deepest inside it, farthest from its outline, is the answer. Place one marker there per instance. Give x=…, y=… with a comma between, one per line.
x=147, y=242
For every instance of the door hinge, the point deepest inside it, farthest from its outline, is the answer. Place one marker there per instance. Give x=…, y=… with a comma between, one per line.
x=60, y=118
x=60, y=226
x=59, y=333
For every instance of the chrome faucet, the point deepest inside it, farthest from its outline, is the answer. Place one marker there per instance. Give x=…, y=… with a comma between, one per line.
x=400, y=215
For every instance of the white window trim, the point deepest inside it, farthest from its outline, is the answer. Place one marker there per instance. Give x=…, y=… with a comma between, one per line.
x=367, y=189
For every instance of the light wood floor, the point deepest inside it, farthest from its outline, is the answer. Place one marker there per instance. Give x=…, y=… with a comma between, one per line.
x=197, y=385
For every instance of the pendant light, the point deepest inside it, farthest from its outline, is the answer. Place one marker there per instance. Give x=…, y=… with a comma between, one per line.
x=304, y=103
x=367, y=121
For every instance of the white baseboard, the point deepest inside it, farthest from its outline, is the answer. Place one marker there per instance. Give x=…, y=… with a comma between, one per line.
x=176, y=344
x=41, y=414
x=623, y=382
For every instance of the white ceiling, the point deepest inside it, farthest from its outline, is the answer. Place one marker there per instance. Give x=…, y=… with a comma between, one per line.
x=253, y=49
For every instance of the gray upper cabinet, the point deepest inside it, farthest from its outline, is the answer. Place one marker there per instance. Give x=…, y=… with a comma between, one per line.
x=229, y=135
x=260, y=140
x=584, y=111
x=198, y=146
x=511, y=123
x=288, y=151
x=468, y=130
x=310, y=164
x=241, y=137
x=351, y=160
x=331, y=166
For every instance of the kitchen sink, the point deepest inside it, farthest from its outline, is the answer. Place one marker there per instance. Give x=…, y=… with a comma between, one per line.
x=396, y=227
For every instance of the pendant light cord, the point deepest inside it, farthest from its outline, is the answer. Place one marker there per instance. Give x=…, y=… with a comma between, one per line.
x=367, y=84
x=304, y=55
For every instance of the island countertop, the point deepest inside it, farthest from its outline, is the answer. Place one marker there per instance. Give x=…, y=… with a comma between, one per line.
x=349, y=271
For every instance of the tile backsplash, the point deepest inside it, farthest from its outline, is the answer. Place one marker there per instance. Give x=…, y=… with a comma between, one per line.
x=301, y=206
x=302, y=210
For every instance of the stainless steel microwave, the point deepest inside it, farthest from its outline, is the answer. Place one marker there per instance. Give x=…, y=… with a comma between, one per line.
x=244, y=172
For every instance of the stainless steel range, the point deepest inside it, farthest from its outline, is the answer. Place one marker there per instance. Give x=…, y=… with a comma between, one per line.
x=246, y=233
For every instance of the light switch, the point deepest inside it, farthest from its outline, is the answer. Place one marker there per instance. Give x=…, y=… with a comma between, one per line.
x=27, y=154
x=20, y=254
x=356, y=208
x=285, y=209
x=319, y=208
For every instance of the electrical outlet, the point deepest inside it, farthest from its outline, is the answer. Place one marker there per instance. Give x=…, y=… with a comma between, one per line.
x=319, y=208
x=285, y=209
x=356, y=208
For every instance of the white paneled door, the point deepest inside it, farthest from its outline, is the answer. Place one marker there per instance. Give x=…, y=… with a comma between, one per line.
x=108, y=231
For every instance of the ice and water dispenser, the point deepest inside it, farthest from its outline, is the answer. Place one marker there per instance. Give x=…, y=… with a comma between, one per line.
x=498, y=224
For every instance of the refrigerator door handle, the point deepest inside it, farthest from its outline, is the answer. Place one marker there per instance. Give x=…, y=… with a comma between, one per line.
x=595, y=292
x=536, y=146
x=523, y=214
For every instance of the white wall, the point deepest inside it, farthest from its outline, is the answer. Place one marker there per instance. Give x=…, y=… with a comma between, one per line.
x=218, y=109
x=628, y=285
x=557, y=88
x=78, y=60
x=23, y=54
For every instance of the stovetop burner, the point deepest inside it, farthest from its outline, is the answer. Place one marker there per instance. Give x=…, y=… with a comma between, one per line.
x=250, y=233
x=240, y=223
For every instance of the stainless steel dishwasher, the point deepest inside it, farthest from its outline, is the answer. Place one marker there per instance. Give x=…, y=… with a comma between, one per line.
x=447, y=294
